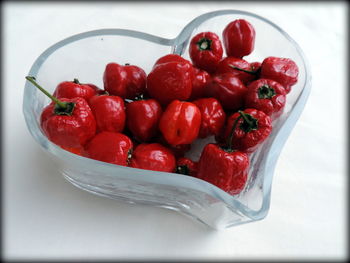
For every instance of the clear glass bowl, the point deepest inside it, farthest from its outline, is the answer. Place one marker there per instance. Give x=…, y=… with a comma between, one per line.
x=85, y=55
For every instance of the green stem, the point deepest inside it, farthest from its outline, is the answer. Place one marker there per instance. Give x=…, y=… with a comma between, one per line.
x=76, y=81
x=229, y=142
x=244, y=70
x=61, y=104
x=244, y=116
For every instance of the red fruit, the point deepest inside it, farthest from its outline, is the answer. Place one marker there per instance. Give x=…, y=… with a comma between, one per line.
x=172, y=58
x=227, y=89
x=170, y=81
x=143, y=118
x=235, y=66
x=200, y=80
x=180, y=122
x=213, y=116
x=186, y=166
x=153, y=157
x=266, y=95
x=206, y=51
x=73, y=89
x=109, y=112
x=124, y=81
x=282, y=70
x=110, y=147
x=227, y=170
x=239, y=38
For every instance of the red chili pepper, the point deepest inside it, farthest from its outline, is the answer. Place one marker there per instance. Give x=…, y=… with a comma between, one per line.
x=255, y=66
x=228, y=89
x=240, y=68
x=200, y=80
x=143, y=118
x=266, y=95
x=172, y=58
x=213, y=116
x=153, y=157
x=282, y=70
x=239, y=38
x=124, y=81
x=224, y=168
x=250, y=128
x=180, y=122
x=206, y=51
x=110, y=147
x=170, y=81
x=109, y=112
x=73, y=89
x=66, y=122
x=186, y=166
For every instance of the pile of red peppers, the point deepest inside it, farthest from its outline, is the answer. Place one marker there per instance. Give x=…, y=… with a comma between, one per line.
x=149, y=121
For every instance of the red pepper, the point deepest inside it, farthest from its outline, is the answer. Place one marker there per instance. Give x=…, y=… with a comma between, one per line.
x=110, y=147
x=224, y=168
x=239, y=38
x=206, y=51
x=109, y=112
x=143, y=118
x=255, y=66
x=124, y=81
x=172, y=58
x=186, y=166
x=180, y=122
x=237, y=67
x=228, y=89
x=266, y=95
x=170, y=81
x=213, y=116
x=282, y=70
x=153, y=157
x=73, y=89
x=178, y=150
x=200, y=80
x=68, y=123
x=250, y=128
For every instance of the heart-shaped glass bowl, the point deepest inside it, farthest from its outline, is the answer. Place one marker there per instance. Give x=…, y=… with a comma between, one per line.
x=84, y=56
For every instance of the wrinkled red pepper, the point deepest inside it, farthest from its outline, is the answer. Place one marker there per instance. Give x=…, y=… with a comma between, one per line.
x=143, y=117
x=206, y=51
x=180, y=122
x=110, y=147
x=68, y=123
x=213, y=116
x=239, y=38
x=186, y=166
x=282, y=70
x=73, y=89
x=200, y=80
x=238, y=67
x=126, y=81
x=153, y=157
x=250, y=128
x=266, y=95
x=109, y=112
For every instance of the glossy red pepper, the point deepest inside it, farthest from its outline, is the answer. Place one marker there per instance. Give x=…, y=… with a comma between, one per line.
x=143, y=117
x=282, y=70
x=239, y=38
x=238, y=67
x=180, y=122
x=200, y=80
x=266, y=95
x=73, y=89
x=170, y=81
x=250, y=128
x=172, y=58
x=213, y=116
x=126, y=81
x=186, y=166
x=109, y=112
x=206, y=51
x=228, y=89
x=110, y=147
x=224, y=168
x=153, y=157
x=255, y=66
x=68, y=123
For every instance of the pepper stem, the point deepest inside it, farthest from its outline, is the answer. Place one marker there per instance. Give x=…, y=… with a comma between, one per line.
x=253, y=72
x=250, y=123
x=230, y=138
x=204, y=44
x=76, y=81
x=61, y=104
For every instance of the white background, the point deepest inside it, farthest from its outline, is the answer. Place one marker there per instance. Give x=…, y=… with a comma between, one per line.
x=45, y=217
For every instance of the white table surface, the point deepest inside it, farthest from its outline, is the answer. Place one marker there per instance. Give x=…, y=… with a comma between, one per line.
x=45, y=217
